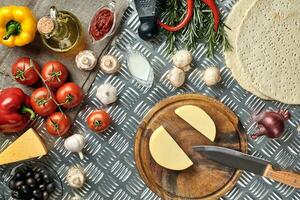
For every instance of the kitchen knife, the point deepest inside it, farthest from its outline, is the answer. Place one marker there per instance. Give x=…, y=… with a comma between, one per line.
x=239, y=160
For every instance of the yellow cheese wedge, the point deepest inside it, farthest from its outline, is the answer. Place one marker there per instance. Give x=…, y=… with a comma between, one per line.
x=27, y=146
x=166, y=152
x=198, y=119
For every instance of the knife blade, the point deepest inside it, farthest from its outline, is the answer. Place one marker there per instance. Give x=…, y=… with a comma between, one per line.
x=239, y=160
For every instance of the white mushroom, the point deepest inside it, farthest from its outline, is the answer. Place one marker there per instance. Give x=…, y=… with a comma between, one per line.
x=182, y=58
x=86, y=60
x=75, y=143
x=109, y=64
x=76, y=197
x=176, y=76
x=106, y=93
x=76, y=177
x=211, y=76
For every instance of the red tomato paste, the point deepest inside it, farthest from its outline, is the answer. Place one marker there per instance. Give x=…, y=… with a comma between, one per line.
x=101, y=23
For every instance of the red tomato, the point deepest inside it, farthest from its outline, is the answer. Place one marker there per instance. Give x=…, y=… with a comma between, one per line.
x=58, y=124
x=69, y=95
x=42, y=103
x=23, y=72
x=54, y=74
x=98, y=121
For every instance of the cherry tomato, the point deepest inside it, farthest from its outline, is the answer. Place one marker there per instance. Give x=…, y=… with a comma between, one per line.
x=54, y=74
x=23, y=72
x=98, y=121
x=58, y=124
x=42, y=103
x=69, y=95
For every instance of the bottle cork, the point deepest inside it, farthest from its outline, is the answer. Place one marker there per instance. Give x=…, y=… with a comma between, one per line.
x=45, y=25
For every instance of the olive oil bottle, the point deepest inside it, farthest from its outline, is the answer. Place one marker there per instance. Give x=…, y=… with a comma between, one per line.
x=60, y=31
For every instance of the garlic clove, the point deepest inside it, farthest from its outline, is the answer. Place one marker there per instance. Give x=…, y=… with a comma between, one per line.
x=211, y=76
x=107, y=94
x=176, y=77
x=86, y=60
x=109, y=64
x=185, y=68
x=182, y=58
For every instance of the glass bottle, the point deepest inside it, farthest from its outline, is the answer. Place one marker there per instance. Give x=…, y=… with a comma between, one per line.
x=60, y=31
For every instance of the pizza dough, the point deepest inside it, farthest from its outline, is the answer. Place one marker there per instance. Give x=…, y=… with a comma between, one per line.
x=268, y=48
x=233, y=21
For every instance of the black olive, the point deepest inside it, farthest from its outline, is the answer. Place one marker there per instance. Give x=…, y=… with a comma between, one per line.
x=18, y=185
x=38, y=177
x=26, y=196
x=29, y=174
x=31, y=182
x=50, y=187
x=16, y=194
x=42, y=187
x=25, y=189
x=46, y=178
x=11, y=183
x=45, y=195
x=37, y=194
x=18, y=176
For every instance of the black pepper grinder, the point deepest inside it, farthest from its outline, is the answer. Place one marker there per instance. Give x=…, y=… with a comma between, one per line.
x=147, y=11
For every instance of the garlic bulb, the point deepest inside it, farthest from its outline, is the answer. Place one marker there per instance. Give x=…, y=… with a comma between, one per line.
x=106, y=93
x=76, y=177
x=176, y=76
x=182, y=58
x=86, y=60
x=211, y=76
x=75, y=143
x=109, y=64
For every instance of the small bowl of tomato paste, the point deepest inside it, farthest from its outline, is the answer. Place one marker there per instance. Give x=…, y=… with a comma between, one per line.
x=103, y=23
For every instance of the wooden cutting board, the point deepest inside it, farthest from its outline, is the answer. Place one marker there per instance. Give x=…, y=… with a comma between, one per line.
x=206, y=179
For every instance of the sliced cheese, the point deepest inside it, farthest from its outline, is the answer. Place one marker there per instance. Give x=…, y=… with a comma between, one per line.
x=166, y=152
x=27, y=146
x=198, y=119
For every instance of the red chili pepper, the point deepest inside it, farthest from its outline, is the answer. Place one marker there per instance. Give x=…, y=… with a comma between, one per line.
x=215, y=11
x=14, y=105
x=188, y=17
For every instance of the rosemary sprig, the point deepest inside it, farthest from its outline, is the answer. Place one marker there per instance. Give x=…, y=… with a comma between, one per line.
x=199, y=30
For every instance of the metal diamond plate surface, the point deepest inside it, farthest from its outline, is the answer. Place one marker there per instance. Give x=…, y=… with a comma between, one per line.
x=109, y=161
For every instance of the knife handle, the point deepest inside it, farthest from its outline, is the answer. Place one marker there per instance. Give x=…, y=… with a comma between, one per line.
x=288, y=178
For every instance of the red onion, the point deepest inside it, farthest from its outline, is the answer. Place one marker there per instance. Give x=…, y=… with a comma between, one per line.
x=271, y=123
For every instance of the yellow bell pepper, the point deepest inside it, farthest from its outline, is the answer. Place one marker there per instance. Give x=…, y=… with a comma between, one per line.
x=17, y=26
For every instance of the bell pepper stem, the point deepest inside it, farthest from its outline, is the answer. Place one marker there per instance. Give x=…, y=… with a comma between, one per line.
x=25, y=110
x=12, y=28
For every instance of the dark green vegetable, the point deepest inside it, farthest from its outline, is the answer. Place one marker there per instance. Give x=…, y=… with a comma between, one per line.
x=199, y=30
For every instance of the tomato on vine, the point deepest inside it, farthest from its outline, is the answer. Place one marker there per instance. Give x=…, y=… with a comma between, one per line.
x=54, y=74
x=69, y=95
x=58, y=124
x=23, y=72
x=42, y=102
